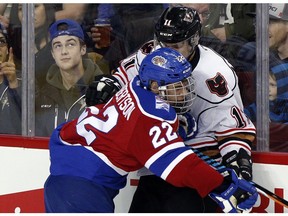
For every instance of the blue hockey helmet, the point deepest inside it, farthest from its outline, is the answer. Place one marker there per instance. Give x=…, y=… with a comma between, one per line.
x=164, y=66
x=172, y=72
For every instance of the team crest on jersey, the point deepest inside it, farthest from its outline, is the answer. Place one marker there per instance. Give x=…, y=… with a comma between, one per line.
x=160, y=104
x=159, y=60
x=218, y=85
x=147, y=48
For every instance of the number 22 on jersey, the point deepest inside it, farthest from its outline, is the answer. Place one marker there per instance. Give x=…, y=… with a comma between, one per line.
x=111, y=115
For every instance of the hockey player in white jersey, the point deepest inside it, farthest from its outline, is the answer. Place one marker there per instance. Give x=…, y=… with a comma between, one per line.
x=224, y=132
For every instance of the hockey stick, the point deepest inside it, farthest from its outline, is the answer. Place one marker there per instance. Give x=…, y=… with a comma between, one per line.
x=259, y=188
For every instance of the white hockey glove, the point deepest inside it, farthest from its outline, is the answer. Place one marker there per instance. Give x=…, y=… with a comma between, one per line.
x=240, y=162
x=187, y=126
x=101, y=90
x=234, y=195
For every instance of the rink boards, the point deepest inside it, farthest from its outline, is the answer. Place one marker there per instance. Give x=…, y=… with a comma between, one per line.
x=24, y=167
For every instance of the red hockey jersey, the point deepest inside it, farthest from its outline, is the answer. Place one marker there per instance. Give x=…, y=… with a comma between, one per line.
x=134, y=129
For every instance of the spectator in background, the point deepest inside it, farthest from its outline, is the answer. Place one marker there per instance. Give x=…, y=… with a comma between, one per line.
x=278, y=44
x=228, y=28
x=278, y=105
x=62, y=97
x=132, y=25
x=278, y=64
x=10, y=90
x=4, y=20
x=43, y=17
x=2, y=8
x=70, y=11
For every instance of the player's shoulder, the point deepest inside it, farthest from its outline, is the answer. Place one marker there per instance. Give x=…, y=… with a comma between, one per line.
x=211, y=64
x=135, y=59
x=144, y=50
x=150, y=104
x=208, y=54
x=216, y=78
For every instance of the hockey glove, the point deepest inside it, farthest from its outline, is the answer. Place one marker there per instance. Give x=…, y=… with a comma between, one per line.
x=101, y=90
x=239, y=161
x=234, y=195
x=187, y=126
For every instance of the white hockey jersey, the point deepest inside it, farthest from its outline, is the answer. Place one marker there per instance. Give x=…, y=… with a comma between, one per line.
x=218, y=107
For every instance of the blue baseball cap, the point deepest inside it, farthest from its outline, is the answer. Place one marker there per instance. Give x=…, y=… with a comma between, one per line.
x=72, y=28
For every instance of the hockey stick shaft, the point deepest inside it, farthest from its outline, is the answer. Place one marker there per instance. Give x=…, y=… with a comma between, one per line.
x=219, y=167
x=271, y=195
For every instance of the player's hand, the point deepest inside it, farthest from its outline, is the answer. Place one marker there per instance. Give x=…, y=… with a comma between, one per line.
x=187, y=126
x=239, y=161
x=8, y=69
x=234, y=195
x=101, y=90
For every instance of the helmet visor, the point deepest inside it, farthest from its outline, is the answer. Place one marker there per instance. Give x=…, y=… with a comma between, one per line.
x=179, y=95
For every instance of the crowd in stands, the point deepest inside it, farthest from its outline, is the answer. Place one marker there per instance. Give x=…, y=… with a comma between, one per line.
x=229, y=29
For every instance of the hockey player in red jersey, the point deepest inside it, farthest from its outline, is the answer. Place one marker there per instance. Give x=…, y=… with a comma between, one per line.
x=224, y=131
x=92, y=155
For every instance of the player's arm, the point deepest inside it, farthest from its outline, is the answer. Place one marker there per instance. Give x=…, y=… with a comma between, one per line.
x=236, y=153
x=169, y=158
x=231, y=193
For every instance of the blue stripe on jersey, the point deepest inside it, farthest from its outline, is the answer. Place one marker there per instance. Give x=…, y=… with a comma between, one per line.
x=171, y=166
x=76, y=160
x=166, y=159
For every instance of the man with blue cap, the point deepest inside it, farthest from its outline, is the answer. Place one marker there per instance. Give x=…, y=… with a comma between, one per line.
x=62, y=97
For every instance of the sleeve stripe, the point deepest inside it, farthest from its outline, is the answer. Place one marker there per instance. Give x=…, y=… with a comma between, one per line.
x=121, y=73
x=233, y=144
x=171, y=166
x=152, y=159
x=120, y=78
x=233, y=131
